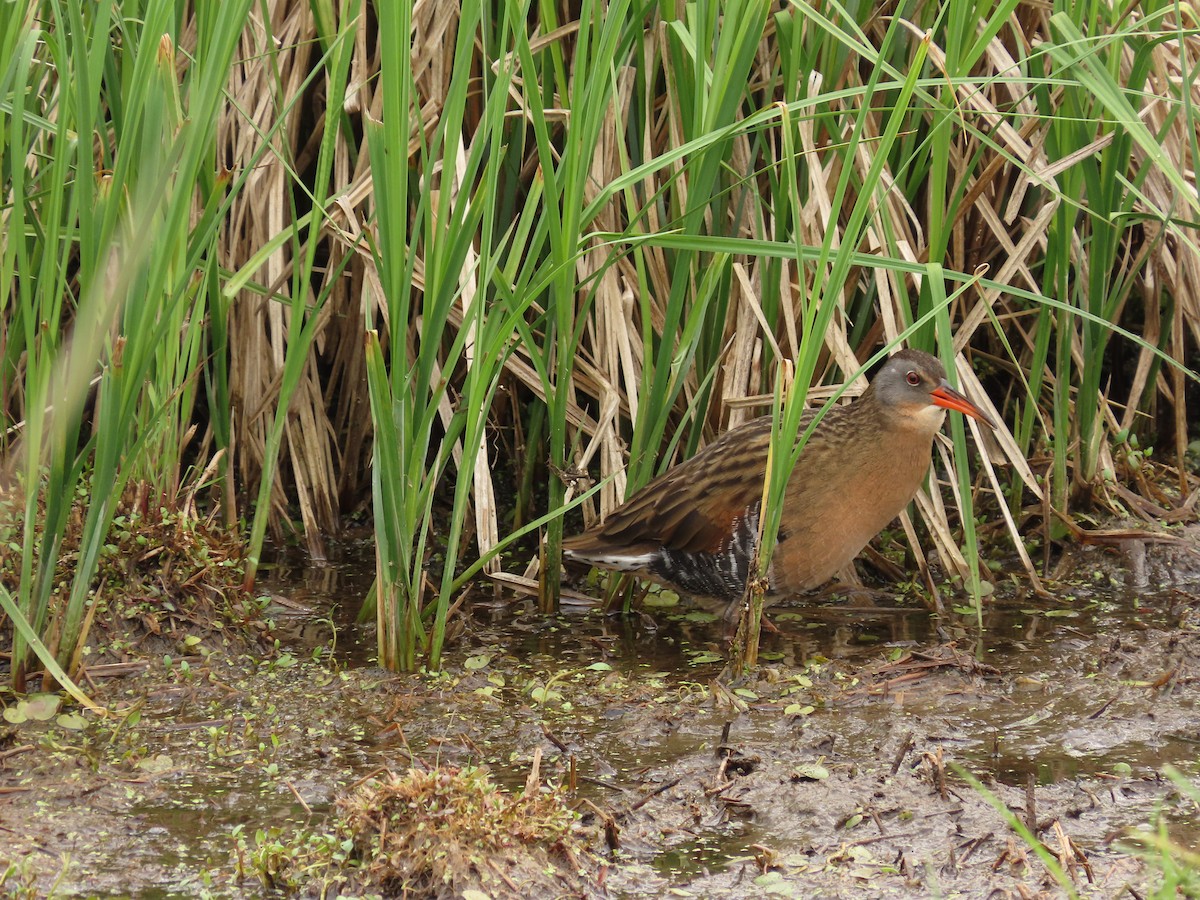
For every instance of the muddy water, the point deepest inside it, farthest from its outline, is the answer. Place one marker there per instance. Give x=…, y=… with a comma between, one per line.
x=831, y=774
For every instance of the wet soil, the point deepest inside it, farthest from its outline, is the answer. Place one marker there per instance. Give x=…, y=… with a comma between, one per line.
x=841, y=770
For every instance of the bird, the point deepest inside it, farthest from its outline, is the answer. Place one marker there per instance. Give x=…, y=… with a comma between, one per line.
x=695, y=527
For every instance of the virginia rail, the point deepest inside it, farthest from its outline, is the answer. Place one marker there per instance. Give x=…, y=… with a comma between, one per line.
x=695, y=526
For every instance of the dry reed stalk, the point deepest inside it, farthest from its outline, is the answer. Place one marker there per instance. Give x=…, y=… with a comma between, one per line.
x=277, y=55
x=613, y=324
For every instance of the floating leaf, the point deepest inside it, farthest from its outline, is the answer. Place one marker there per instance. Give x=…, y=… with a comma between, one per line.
x=772, y=884
x=746, y=693
x=156, y=764
x=704, y=658
x=475, y=663
x=798, y=709
x=599, y=667
x=41, y=707
x=71, y=721
x=661, y=600
x=810, y=772
x=544, y=695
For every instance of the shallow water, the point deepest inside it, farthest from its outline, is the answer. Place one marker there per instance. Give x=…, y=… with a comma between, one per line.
x=1089, y=693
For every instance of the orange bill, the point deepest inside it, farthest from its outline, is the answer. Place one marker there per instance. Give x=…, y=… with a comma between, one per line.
x=948, y=398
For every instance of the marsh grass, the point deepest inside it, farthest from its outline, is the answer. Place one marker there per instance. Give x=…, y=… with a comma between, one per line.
x=89, y=303
x=394, y=256
x=1177, y=865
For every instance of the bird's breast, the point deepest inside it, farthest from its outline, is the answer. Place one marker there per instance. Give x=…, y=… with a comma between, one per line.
x=832, y=511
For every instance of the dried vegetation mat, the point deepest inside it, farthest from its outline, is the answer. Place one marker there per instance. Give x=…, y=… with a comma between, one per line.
x=447, y=832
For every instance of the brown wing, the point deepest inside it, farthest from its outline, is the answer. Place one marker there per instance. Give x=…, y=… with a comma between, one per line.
x=692, y=508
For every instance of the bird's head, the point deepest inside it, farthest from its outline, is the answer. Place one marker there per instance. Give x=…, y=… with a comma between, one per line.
x=911, y=390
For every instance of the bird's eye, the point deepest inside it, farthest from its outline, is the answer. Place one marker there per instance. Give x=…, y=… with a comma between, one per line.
x=913, y=378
